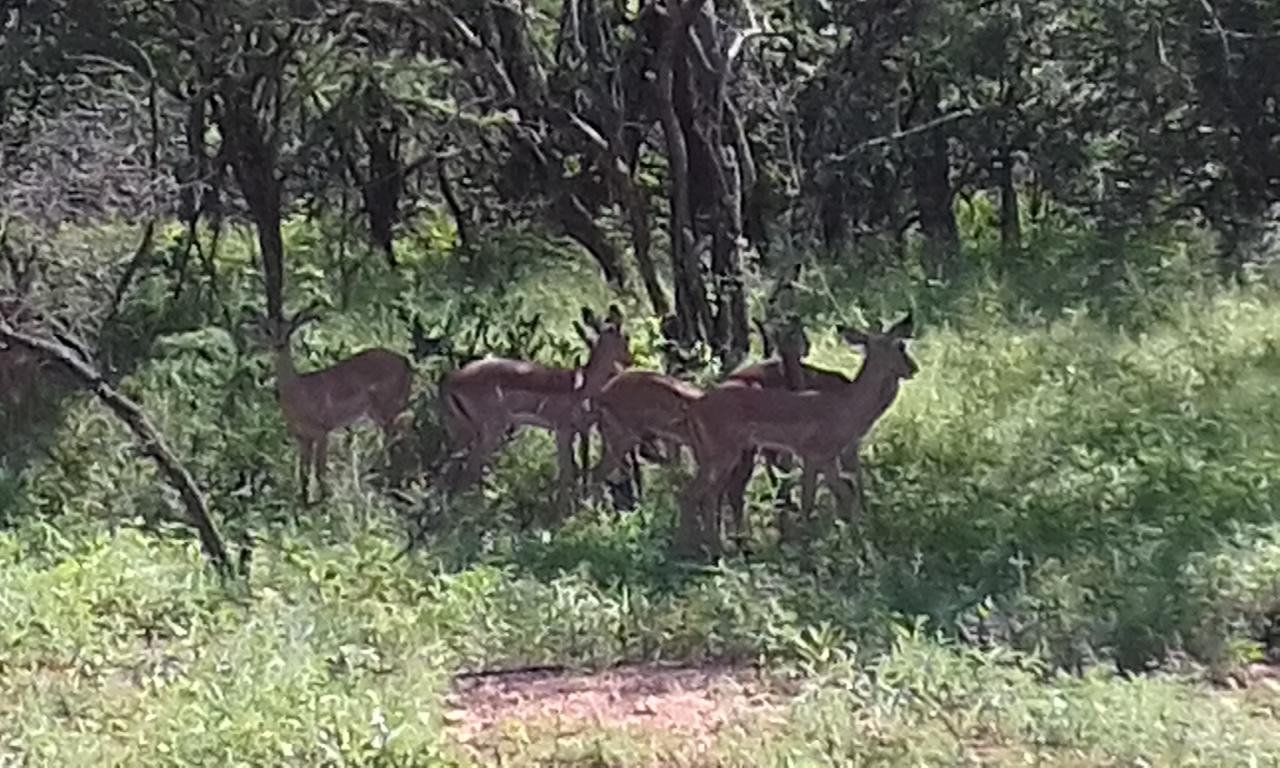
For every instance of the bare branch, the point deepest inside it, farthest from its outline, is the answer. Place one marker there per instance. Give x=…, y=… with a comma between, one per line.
x=1221, y=32
x=149, y=439
x=897, y=136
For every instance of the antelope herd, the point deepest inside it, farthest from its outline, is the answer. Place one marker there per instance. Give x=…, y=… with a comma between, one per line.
x=780, y=406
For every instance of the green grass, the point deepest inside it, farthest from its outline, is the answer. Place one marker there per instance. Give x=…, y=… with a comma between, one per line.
x=124, y=651
x=1081, y=479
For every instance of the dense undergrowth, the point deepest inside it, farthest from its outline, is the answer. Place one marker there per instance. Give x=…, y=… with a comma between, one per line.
x=1081, y=478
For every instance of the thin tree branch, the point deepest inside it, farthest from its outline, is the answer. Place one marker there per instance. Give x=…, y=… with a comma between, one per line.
x=141, y=256
x=897, y=136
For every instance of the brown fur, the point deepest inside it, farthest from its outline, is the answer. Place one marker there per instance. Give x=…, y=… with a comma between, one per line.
x=641, y=405
x=373, y=384
x=787, y=371
x=482, y=401
x=816, y=426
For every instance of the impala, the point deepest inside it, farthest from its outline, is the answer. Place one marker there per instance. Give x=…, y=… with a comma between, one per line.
x=641, y=406
x=816, y=426
x=371, y=384
x=786, y=371
x=484, y=400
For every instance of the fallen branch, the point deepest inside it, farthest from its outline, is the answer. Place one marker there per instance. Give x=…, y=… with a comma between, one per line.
x=149, y=439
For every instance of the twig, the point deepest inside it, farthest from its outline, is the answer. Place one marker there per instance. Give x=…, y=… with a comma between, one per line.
x=1221, y=32
x=141, y=256
x=896, y=136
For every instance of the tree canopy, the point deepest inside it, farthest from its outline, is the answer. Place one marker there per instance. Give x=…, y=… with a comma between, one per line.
x=725, y=137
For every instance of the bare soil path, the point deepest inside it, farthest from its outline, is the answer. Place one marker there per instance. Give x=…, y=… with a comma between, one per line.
x=690, y=706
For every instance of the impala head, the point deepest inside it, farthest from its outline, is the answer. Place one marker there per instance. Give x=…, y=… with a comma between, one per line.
x=277, y=332
x=886, y=351
x=610, y=348
x=792, y=340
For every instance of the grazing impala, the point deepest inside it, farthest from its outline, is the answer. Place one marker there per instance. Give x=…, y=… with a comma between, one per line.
x=374, y=383
x=482, y=401
x=814, y=425
x=639, y=406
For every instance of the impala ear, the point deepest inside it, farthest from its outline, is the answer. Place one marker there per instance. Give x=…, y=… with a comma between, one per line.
x=587, y=337
x=308, y=314
x=614, y=317
x=590, y=320
x=853, y=336
x=903, y=329
x=766, y=342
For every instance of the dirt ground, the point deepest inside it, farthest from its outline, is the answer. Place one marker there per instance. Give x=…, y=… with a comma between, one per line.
x=691, y=705
x=680, y=711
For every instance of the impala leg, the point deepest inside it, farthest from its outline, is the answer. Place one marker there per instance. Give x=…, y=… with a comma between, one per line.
x=853, y=463
x=466, y=463
x=617, y=444
x=584, y=451
x=808, y=490
x=457, y=458
x=735, y=492
x=388, y=434
x=322, y=464
x=775, y=462
x=481, y=448
x=306, y=450
x=567, y=473
x=709, y=505
x=620, y=452
x=637, y=477
x=846, y=499
x=389, y=428
x=696, y=526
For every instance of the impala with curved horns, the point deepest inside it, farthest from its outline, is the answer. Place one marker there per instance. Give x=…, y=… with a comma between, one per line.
x=814, y=425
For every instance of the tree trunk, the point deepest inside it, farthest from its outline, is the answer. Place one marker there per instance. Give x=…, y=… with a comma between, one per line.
x=1010, y=224
x=455, y=207
x=638, y=210
x=149, y=439
x=692, y=313
x=253, y=159
x=931, y=177
x=266, y=216
x=577, y=222
x=732, y=332
x=382, y=190
x=636, y=206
